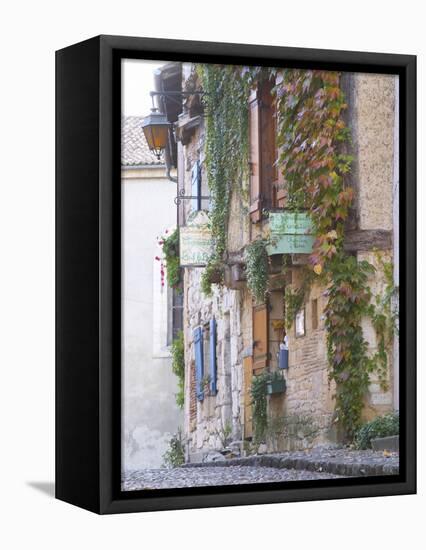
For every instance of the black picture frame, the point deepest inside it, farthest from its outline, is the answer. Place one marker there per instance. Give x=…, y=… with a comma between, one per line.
x=88, y=274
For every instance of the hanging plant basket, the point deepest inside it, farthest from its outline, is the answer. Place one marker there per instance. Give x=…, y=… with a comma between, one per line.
x=216, y=276
x=275, y=385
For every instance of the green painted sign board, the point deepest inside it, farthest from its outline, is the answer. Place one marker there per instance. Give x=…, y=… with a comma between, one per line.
x=196, y=245
x=291, y=233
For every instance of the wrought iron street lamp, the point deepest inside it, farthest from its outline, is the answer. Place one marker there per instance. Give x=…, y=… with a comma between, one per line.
x=155, y=126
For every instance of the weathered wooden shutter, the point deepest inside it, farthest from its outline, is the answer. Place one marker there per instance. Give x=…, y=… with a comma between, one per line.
x=254, y=136
x=267, y=127
x=196, y=186
x=260, y=338
x=281, y=193
x=248, y=408
x=263, y=152
x=213, y=367
x=199, y=361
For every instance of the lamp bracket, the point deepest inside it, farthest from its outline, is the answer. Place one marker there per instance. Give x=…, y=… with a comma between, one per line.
x=181, y=197
x=177, y=95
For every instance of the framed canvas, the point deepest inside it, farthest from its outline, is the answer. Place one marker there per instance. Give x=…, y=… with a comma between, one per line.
x=235, y=274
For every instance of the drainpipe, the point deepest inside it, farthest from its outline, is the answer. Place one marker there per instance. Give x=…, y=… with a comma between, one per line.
x=167, y=161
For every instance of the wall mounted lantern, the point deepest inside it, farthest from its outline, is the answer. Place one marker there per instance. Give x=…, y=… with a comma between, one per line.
x=156, y=127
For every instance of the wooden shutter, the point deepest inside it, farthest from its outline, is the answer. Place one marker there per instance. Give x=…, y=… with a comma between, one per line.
x=199, y=362
x=281, y=193
x=213, y=368
x=248, y=411
x=267, y=126
x=254, y=137
x=260, y=338
x=263, y=151
x=196, y=186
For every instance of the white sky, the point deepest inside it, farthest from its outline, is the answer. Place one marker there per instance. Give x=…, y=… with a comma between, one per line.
x=137, y=82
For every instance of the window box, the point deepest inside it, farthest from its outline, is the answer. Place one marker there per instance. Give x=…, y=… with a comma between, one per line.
x=276, y=385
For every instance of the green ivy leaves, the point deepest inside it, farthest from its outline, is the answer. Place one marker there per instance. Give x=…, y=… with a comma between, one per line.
x=226, y=148
x=257, y=268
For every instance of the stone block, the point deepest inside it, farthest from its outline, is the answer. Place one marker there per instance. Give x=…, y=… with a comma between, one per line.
x=390, y=443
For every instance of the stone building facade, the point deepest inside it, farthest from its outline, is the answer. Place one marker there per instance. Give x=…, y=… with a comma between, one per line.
x=241, y=338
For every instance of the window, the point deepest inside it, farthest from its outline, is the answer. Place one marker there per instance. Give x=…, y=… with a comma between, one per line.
x=175, y=313
x=299, y=323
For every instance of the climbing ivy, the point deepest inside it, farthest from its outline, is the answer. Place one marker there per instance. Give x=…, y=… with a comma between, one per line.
x=384, y=317
x=226, y=90
x=313, y=140
x=170, y=246
x=257, y=268
x=178, y=366
x=295, y=298
x=259, y=405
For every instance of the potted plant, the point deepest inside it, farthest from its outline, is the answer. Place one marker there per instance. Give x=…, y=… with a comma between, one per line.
x=275, y=384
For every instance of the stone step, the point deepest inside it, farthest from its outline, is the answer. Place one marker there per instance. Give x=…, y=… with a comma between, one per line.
x=354, y=466
x=390, y=443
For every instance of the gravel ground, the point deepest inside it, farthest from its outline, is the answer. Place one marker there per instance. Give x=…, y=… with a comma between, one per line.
x=214, y=475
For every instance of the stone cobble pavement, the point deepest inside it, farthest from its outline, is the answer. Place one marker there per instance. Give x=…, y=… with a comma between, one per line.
x=167, y=478
x=321, y=463
x=343, y=462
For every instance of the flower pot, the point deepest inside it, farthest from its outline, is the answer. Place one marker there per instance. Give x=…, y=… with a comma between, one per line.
x=276, y=386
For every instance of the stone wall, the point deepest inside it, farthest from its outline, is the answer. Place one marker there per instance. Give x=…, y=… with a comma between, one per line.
x=305, y=414
x=217, y=417
x=302, y=417
x=371, y=100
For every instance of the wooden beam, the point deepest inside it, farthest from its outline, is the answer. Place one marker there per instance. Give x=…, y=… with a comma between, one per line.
x=367, y=239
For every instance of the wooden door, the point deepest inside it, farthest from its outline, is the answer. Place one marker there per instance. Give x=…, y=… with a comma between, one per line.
x=260, y=338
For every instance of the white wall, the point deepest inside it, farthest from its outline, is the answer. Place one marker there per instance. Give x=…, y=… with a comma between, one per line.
x=149, y=411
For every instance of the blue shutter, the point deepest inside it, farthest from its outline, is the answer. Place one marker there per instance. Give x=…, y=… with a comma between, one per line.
x=196, y=186
x=213, y=369
x=199, y=362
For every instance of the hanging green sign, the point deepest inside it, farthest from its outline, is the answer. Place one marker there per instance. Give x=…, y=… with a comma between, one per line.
x=196, y=244
x=291, y=233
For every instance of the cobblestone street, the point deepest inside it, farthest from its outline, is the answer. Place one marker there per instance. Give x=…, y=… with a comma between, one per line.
x=214, y=475
x=315, y=464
